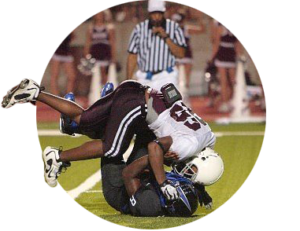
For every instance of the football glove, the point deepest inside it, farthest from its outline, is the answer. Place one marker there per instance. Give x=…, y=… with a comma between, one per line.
x=169, y=190
x=203, y=197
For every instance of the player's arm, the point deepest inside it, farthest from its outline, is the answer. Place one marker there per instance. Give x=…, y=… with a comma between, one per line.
x=170, y=157
x=131, y=65
x=131, y=174
x=203, y=196
x=156, y=150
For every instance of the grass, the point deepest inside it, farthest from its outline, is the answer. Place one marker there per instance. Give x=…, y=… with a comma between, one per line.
x=238, y=152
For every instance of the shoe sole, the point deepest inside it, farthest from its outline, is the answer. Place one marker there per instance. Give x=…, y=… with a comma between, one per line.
x=7, y=99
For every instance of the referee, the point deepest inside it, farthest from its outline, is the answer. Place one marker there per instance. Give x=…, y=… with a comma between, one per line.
x=154, y=46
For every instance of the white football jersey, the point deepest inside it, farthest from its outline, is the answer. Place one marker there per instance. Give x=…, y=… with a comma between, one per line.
x=190, y=134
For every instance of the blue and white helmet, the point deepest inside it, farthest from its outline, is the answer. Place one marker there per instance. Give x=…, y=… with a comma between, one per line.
x=187, y=203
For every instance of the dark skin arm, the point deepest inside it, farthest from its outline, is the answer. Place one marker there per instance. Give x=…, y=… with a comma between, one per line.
x=156, y=157
x=131, y=174
x=170, y=157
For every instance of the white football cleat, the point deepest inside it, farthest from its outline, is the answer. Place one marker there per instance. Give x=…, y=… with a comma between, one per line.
x=52, y=165
x=26, y=91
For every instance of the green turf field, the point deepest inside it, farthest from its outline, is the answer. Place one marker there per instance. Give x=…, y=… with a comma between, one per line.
x=239, y=146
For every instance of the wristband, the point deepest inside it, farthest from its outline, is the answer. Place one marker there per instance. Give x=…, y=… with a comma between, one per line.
x=164, y=183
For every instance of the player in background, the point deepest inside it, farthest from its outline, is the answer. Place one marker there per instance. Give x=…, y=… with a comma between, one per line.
x=146, y=198
x=100, y=43
x=62, y=57
x=188, y=30
x=226, y=48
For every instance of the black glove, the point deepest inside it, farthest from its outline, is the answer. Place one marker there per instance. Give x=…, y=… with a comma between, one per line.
x=203, y=196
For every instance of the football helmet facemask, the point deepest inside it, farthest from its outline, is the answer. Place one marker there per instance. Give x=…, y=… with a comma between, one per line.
x=206, y=168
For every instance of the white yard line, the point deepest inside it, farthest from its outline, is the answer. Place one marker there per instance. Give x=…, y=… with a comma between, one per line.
x=93, y=191
x=53, y=132
x=86, y=185
x=220, y=134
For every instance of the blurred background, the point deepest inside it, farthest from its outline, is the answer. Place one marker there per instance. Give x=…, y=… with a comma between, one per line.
x=203, y=92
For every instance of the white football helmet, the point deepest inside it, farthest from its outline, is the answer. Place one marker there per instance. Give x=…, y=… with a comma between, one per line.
x=205, y=168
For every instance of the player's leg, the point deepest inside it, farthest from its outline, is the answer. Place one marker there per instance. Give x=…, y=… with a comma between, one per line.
x=144, y=200
x=93, y=119
x=89, y=150
x=56, y=159
x=30, y=91
x=112, y=184
x=127, y=112
x=92, y=123
x=66, y=107
x=112, y=169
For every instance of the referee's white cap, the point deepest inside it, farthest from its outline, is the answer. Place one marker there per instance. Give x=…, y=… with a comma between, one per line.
x=156, y=5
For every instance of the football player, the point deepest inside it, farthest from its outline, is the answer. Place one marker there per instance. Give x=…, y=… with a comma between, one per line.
x=116, y=117
x=147, y=200
x=143, y=196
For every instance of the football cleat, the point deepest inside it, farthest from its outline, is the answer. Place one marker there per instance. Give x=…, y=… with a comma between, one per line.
x=53, y=166
x=66, y=125
x=26, y=91
x=107, y=88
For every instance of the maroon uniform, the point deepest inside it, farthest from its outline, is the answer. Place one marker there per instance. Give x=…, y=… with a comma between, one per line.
x=100, y=49
x=226, y=53
x=116, y=117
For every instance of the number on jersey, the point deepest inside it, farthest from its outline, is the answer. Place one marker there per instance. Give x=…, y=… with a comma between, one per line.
x=181, y=113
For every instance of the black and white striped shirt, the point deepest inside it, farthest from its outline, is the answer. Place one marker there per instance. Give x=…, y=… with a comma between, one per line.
x=153, y=53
